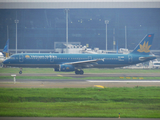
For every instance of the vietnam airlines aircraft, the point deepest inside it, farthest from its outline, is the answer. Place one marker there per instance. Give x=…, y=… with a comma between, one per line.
x=76, y=62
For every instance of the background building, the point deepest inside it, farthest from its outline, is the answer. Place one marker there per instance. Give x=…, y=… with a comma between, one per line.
x=39, y=28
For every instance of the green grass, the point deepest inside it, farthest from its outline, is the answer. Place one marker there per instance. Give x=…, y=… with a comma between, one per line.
x=50, y=70
x=121, y=70
x=27, y=70
x=141, y=102
x=36, y=77
x=82, y=78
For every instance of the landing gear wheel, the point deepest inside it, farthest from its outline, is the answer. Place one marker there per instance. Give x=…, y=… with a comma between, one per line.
x=76, y=72
x=20, y=72
x=79, y=72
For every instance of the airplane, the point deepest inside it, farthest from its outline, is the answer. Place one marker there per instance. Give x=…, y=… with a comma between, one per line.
x=2, y=58
x=77, y=62
x=5, y=50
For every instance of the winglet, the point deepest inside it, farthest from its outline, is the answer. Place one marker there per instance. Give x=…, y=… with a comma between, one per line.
x=144, y=46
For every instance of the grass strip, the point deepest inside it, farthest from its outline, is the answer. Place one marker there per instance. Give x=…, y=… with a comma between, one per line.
x=84, y=78
x=79, y=109
x=141, y=102
x=93, y=70
x=36, y=77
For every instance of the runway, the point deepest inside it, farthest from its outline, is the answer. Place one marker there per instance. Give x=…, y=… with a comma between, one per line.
x=79, y=83
x=43, y=83
x=89, y=74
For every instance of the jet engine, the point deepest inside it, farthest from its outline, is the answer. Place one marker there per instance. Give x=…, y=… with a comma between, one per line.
x=65, y=68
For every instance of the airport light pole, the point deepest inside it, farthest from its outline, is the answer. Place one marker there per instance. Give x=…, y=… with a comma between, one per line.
x=7, y=39
x=16, y=21
x=106, y=22
x=66, y=30
x=126, y=37
x=114, y=41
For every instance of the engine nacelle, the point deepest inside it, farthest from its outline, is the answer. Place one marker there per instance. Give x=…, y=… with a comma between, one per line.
x=66, y=68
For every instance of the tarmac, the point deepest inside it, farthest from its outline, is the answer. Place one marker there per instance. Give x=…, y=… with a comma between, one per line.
x=32, y=83
x=74, y=83
x=80, y=83
x=89, y=74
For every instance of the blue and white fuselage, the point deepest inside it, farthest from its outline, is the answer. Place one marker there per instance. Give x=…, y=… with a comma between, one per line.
x=94, y=60
x=76, y=62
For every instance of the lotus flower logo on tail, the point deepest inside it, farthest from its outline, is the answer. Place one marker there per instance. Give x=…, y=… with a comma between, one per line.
x=144, y=47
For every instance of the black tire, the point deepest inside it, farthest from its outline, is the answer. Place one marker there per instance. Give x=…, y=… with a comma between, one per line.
x=76, y=72
x=20, y=72
x=81, y=72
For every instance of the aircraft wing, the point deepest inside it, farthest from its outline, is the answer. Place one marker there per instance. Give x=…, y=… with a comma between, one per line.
x=86, y=63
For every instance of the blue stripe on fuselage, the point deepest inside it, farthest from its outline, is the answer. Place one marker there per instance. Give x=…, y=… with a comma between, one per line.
x=51, y=60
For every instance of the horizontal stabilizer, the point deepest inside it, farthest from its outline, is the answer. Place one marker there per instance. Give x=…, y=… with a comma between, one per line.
x=145, y=58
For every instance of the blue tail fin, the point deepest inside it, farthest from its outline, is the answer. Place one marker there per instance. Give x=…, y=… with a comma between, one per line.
x=6, y=47
x=117, y=47
x=144, y=46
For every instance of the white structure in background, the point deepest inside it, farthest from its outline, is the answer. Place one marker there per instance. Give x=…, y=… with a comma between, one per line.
x=154, y=64
x=123, y=50
x=88, y=50
x=2, y=58
x=76, y=47
x=73, y=47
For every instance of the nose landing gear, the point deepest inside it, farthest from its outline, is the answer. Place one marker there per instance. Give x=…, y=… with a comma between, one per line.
x=20, y=72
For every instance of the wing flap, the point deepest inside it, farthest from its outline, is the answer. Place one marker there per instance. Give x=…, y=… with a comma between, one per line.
x=86, y=63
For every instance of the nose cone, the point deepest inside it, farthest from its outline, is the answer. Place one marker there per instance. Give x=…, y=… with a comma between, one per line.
x=1, y=60
x=5, y=61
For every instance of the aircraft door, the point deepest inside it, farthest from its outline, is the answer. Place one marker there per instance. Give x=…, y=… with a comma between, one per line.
x=130, y=58
x=89, y=57
x=51, y=59
x=20, y=58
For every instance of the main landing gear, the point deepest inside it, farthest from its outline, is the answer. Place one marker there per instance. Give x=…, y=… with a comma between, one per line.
x=20, y=72
x=79, y=72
